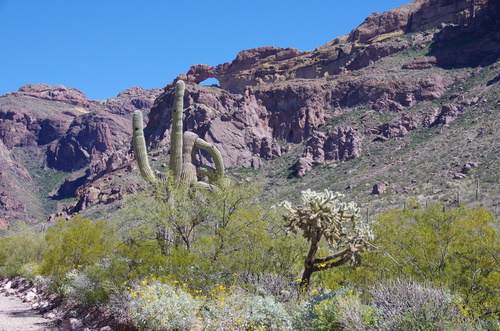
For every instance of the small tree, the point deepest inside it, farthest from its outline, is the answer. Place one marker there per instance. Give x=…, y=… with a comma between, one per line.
x=458, y=247
x=324, y=215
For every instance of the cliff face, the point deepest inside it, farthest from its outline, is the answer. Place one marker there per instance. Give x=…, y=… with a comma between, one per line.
x=419, y=66
x=48, y=130
x=357, y=49
x=270, y=95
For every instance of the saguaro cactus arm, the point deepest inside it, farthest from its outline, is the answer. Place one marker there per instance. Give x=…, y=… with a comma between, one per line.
x=183, y=147
x=191, y=144
x=214, y=153
x=140, y=151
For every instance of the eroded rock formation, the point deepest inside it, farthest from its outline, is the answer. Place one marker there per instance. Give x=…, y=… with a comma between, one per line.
x=269, y=98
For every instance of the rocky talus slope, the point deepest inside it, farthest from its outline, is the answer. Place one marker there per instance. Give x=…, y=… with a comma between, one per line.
x=406, y=105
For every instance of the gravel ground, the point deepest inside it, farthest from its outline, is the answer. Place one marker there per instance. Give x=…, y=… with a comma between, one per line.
x=16, y=315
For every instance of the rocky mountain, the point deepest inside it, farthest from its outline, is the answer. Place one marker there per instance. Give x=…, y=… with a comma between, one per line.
x=49, y=133
x=406, y=105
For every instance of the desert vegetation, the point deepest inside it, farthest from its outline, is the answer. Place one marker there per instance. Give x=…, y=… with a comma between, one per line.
x=258, y=247
x=223, y=259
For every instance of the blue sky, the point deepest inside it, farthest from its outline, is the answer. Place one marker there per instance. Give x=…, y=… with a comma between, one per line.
x=103, y=47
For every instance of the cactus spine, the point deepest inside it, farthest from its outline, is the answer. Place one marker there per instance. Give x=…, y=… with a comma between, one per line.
x=183, y=148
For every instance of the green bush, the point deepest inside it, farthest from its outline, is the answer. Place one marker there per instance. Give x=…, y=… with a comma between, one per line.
x=235, y=309
x=264, y=313
x=21, y=252
x=76, y=245
x=456, y=247
x=204, y=238
x=345, y=311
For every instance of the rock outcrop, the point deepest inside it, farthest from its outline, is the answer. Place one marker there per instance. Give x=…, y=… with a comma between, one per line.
x=268, y=94
x=67, y=95
x=338, y=144
x=366, y=44
x=61, y=130
x=325, y=104
x=397, y=128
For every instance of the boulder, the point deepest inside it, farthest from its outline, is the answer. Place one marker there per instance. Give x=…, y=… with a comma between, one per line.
x=380, y=188
x=71, y=324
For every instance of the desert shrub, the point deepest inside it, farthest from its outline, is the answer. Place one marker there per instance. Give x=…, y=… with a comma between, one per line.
x=327, y=316
x=90, y=286
x=221, y=308
x=31, y=270
x=76, y=245
x=139, y=254
x=158, y=306
x=283, y=289
x=409, y=305
x=21, y=252
x=265, y=313
x=343, y=309
x=204, y=238
x=118, y=304
x=234, y=309
x=456, y=247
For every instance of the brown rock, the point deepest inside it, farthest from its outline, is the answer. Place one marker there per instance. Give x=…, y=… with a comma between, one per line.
x=71, y=324
x=304, y=164
x=459, y=175
x=417, y=15
x=10, y=202
x=398, y=128
x=339, y=144
x=4, y=224
x=91, y=136
x=380, y=188
x=468, y=166
x=421, y=63
x=445, y=115
x=68, y=95
x=128, y=101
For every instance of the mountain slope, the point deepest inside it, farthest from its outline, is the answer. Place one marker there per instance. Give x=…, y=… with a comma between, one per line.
x=405, y=106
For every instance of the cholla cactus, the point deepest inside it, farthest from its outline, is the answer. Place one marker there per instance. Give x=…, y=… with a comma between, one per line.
x=323, y=214
x=183, y=147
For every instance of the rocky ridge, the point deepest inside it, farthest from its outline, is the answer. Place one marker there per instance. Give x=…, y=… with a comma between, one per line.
x=272, y=94
x=398, y=73
x=45, y=130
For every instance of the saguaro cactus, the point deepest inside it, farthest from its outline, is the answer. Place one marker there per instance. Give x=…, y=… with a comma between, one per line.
x=183, y=148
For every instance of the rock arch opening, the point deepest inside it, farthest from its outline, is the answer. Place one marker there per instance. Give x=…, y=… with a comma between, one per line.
x=210, y=82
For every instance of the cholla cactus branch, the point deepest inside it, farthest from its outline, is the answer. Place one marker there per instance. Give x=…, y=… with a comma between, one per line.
x=324, y=215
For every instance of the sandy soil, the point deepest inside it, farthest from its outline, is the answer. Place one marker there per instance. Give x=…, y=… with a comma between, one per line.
x=16, y=315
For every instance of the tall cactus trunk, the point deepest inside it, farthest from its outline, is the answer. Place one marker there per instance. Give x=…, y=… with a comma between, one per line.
x=183, y=147
x=176, y=133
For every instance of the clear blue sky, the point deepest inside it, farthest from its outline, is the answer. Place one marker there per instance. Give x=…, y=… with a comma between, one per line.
x=103, y=47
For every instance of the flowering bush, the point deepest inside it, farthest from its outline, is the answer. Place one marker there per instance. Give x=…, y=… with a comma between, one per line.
x=233, y=309
x=264, y=313
x=159, y=306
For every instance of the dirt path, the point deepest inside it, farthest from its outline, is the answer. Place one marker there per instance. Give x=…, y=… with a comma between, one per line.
x=16, y=315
